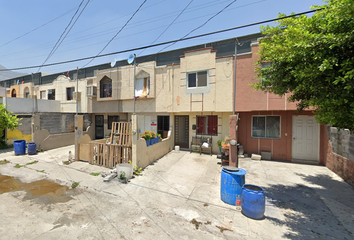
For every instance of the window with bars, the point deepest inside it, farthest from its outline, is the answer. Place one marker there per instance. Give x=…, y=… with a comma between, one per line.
x=207, y=125
x=51, y=94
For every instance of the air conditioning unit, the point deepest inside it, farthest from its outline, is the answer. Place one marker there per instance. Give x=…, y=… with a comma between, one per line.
x=91, y=91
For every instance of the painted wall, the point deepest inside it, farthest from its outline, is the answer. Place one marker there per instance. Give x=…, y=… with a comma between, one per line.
x=248, y=99
x=60, y=84
x=223, y=126
x=27, y=105
x=147, y=155
x=281, y=149
x=23, y=131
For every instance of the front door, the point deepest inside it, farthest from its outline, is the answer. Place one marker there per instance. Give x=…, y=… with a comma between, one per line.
x=99, y=130
x=182, y=131
x=305, y=142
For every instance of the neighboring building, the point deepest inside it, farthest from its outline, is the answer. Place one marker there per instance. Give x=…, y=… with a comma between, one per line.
x=270, y=125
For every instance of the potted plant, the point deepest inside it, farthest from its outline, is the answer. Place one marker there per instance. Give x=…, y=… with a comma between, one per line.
x=159, y=137
x=219, y=144
x=147, y=136
x=153, y=137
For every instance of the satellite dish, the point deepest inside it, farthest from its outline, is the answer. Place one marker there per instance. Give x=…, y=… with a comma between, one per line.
x=113, y=63
x=131, y=58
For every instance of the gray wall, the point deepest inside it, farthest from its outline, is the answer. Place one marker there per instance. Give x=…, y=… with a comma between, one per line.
x=57, y=123
x=342, y=142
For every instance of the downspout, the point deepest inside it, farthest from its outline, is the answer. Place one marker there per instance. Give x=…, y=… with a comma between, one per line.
x=235, y=66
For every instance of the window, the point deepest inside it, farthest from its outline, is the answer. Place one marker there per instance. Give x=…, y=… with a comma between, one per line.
x=197, y=79
x=69, y=93
x=163, y=125
x=142, y=87
x=51, y=94
x=112, y=119
x=207, y=125
x=42, y=94
x=13, y=93
x=106, y=87
x=266, y=127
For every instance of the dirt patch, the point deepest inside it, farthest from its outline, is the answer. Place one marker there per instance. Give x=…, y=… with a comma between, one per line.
x=44, y=190
x=196, y=223
x=222, y=229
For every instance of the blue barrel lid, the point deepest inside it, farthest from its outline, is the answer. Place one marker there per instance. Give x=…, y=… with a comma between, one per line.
x=239, y=171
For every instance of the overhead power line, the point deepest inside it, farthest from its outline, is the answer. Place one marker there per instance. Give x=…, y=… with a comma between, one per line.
x=228, y=5
x=169, y=24
x=35, y=29
x=116, y=34
x=61, y=38
x=139, y=24
x=164, y=43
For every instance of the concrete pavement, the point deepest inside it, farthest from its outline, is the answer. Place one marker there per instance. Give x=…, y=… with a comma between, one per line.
x=177, y=197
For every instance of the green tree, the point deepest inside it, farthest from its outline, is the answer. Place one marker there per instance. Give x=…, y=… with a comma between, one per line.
x=7, y=120
x=313, y=59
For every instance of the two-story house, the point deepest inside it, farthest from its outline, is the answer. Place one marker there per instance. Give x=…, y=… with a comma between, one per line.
x=270, y=125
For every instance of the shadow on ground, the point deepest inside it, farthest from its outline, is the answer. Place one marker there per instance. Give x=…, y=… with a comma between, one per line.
x=306, y=208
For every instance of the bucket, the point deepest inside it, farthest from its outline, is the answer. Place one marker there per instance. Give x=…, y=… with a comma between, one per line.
x=253, y=201
x=125, y=167
x=177, y=148
x=31, y=148
x=20, y=147
x=232, y=181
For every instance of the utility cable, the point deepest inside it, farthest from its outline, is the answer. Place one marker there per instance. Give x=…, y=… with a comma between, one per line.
x=116, y=34
x=35, y=29
x=164, y=43
x=169, y=25
x=159, y=18
x=57, y=43
x=200, y=25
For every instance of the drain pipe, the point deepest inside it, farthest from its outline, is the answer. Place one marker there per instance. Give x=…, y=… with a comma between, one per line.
x=235, y=66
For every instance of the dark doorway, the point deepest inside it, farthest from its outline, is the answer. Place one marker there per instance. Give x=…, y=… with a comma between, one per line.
x=163, y=125
x=182, y=131
x=99, y=130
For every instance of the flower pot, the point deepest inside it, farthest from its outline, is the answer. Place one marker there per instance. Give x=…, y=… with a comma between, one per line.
x=147, y=142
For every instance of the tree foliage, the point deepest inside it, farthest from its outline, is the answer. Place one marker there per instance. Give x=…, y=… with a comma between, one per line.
x=313, y=59
x=7, y=120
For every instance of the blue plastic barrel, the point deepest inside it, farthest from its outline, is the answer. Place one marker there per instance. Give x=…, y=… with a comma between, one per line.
x=31, y=148
x=253, y=201
x=231, y=185
x=20, y=147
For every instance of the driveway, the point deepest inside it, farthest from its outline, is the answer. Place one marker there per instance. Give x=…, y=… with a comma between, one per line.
x=177, y=197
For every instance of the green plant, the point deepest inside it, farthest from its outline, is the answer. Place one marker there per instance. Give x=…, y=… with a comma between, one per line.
x=159, y=135
x=40, y=171
x=18, y=166
x=122, y=175
x=66, y=162
x=315, y=67
x=7, y=120
x=42, y=150
x=75, y=184
x=30, y=163
x=137, y=170
x=94, y=174
x=146, y=135
x=153, y=134
x=219, y=143
x=4, y=162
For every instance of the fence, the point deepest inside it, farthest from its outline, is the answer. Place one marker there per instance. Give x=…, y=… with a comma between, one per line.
x=117, y=150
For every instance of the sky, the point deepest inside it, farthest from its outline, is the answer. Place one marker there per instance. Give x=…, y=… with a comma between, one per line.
x=30, y=29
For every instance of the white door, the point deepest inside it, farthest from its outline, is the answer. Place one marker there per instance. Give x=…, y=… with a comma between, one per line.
x=305, y=143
